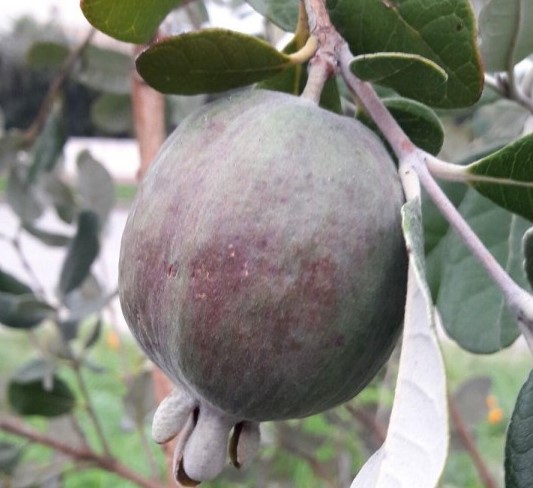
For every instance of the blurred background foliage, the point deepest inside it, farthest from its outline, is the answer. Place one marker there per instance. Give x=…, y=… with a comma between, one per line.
x=70, y=372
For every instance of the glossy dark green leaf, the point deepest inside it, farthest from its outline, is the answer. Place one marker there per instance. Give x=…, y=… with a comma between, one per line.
x=113, y=113
x=32, y=398
x=512, y=167
x=10, y=455
x=403, y=72
x=418, y=121
x=128, y=20
x=283, y=13
x=23, y=311
x=472, y=307
x=49, y=146
x=209, y=61
x=294, y=79
x=82, y=252
x=442, y=31
x=527, y=250
x=519, y=443
x=505, y=28
x=95, y=186
x=105, y=70
x=47, y=55
x=52, y=239
x=10, y=284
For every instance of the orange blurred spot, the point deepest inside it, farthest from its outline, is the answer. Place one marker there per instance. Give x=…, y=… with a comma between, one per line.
x=495, y=416
x=113, y=340
x=491, y=402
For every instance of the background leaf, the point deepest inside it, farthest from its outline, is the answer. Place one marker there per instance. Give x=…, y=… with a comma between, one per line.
x=505, y=28
x=209, y=61
x=105, y=70
x=442, y=31
x=82, y=252
x=10, y=455
x=126, y=20
x=10, y=284
x=283, y=13
x=418, y=121
x=403, y=72
x=23, y=311
x=419, y=411
x=527, y=249
x=47, y=55
x=113, y=113
x=519, y=445
x=472, y=308
x=32, y=398
x=95, y=186
x=513, y=163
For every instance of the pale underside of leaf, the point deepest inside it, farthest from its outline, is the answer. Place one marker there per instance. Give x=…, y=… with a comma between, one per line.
x=418, y=429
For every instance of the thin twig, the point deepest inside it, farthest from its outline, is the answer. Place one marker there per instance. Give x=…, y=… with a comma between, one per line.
x=90, y=409
x=469, y=443
x=14, y=426
x=55, y=87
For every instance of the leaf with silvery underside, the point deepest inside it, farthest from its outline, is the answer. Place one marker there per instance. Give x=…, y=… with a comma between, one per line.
x=47, y=55
x=527, y=250
x=519, y=442
x=25, y=200
x=209, y=61
x=128, y=20
x=419, y=412
x=417, y=120
x=10, y=455
x=112, y=113
x=473, y=311
x=505, y=28
x=62, y=197
x=294, y=79
x=51, y=239
x=283, y=13
x=81, y=253
x=402, y=72
x=511, y=169
x=106, y=70
x=23, y=311
x=443, y=32
x=95, y=187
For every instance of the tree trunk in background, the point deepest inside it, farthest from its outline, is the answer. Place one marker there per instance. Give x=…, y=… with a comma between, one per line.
x=149, y=124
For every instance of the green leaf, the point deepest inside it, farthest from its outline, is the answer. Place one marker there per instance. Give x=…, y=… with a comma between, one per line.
x=10, y=284
x=113, y=113
x=11, y=144
x=32, y=398
x=94, y=336
x=419, y=413
x=47, y=55
x=95, y=186
x=209, y=61
x=24, y=200
x=283, y=13
x=512, y=170
x=472, y=308
x=82, y=252
x=418, y=121
x=62, y=197
x=505, y=28
x=442, y=31
x=10, y=455
x=128, y=20
x=294, y=79
x=519, y=443
x=403, y=72
x=105, y=70
x=49, y=238
x=527, y=250
x=23, y=311
x=49, y=146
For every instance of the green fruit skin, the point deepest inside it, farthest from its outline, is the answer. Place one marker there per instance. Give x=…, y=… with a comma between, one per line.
x=263, y=265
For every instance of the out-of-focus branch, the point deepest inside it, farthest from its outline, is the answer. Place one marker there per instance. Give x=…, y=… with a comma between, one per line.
x=14, y=426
